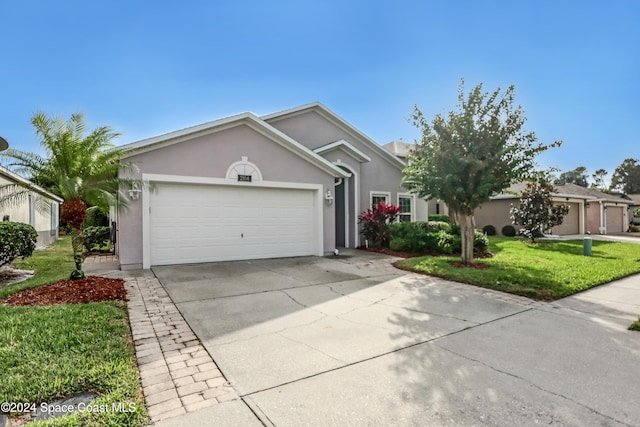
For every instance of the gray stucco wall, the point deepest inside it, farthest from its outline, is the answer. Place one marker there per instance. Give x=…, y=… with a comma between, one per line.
x=210, y=156
x=379, y=175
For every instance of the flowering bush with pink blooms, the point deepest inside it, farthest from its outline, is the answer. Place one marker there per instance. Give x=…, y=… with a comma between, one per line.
x=375, y=223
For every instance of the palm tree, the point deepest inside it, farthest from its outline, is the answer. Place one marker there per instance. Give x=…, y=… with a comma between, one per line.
x=81, y=170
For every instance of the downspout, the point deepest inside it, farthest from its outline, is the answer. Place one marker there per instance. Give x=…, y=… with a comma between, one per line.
x=602, y=219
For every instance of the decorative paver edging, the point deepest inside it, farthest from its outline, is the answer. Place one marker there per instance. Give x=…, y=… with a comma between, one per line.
x=177, y=373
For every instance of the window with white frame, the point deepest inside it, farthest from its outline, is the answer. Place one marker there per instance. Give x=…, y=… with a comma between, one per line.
x=405, y=202
x=54, y=218
x=377, y=197
x=32, y=210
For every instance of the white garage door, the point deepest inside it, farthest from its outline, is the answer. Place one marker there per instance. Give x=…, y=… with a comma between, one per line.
x=201, y=223
x=614, y=219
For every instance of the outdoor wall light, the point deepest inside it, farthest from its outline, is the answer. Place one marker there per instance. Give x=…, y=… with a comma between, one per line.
x=134, y=192
x=328, y=198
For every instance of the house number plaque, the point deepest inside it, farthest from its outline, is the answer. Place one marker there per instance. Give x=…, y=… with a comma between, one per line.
x=244, y=178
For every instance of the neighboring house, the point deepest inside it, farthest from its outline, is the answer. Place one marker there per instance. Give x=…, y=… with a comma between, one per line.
x=590, y=211
x=401, y=149
x=40, y=210
x=635, y=199
x=246, y=187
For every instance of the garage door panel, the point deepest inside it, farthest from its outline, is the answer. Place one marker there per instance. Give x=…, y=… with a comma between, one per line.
x=614, y=219
x=571, y=221
x=200, y=223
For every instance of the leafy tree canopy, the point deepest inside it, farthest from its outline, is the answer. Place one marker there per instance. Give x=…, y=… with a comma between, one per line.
x=471, y=154
x=578, y=176
x=598, y=180
x=80, y=169
x=626, y=177
x=536, y=213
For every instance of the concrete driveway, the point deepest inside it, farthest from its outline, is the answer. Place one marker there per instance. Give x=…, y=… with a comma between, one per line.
x=350, y=340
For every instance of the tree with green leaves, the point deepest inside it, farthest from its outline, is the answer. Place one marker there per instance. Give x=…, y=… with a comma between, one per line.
x=537, y=214
x=626, y=177
x=472, y=154
x=578, y=176
x=598, y=180
x=80, y=169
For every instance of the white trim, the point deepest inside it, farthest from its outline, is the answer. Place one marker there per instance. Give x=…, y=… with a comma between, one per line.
x=17, y=178
x=349, y=149
x=247, y=119
x=244, y=162
x=179, y=179
x=346, y=213
x=413, y=205
x=356, y=205
x=146, y=225
x=386, y=194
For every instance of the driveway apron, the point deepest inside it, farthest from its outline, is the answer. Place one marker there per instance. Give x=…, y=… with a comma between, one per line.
x=350, y=340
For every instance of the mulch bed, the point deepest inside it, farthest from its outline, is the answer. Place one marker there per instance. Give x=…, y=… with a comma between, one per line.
x=82, y=291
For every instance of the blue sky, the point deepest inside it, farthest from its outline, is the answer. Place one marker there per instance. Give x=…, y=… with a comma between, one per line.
x=147, y=68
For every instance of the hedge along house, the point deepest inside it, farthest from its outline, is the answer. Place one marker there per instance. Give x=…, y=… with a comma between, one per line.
x=247, y=187
x=40, y=209
x=590, y=211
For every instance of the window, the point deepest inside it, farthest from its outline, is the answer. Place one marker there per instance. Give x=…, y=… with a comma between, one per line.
x=32, y=210
x=405, y=202
x=377, y=197
x=54, y=218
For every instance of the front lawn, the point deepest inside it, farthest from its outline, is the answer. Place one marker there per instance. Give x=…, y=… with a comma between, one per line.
x=546, y=270
x=52, y=263
x=58, y=351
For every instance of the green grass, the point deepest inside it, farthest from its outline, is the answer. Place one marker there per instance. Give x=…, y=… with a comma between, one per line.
x=635, y=326
x=51, y=264
x=546, y=270
x=53, y=352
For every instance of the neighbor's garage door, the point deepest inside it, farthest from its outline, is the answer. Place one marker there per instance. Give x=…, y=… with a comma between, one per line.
x=571, y=222
x=201, y=223
x=614, y=219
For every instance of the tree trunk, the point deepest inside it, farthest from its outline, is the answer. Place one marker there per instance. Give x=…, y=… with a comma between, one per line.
x=454, y=217
x=78, y=256
x=73, y=213
x=467, y=231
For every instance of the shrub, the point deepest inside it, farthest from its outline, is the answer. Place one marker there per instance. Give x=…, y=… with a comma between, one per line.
x=489, y=230
x=509, y=230
x=433, y=226
x=439, y=217
x=375, y=223
x=448, y=243
x=95, y=236
x=95, y=218
x=480, y=241
x=412, y=237
x=537, y=213
x=422, y=237
x=16, y=240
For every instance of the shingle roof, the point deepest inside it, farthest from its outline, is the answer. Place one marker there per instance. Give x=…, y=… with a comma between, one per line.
x=566, y=190
x=399, y=148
